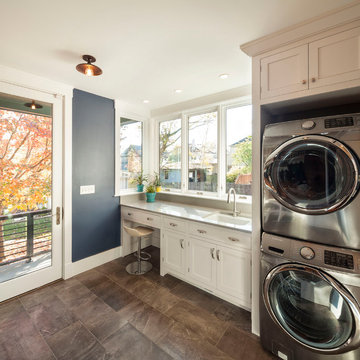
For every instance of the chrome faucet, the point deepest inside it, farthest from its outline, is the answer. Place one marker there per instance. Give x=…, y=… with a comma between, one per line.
x=232, y=190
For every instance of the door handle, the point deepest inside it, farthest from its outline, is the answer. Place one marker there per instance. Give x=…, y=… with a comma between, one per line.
x=218, y=254
x=58, y=215
x=212, y=250
x=182, y=243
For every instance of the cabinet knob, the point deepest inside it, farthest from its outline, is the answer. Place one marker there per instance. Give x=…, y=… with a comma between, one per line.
x=212, y=250
x=313, y=79
x=304, y=82
x=233, y=239
x=173, y=224
x=182, y=243
x=218, y=254
x=201, y=231
x=149, y=219
x=129, y=214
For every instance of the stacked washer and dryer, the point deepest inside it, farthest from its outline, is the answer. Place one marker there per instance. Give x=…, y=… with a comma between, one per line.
x=310, y=251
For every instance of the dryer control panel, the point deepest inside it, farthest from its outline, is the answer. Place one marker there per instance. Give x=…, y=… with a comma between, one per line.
x=330, y=257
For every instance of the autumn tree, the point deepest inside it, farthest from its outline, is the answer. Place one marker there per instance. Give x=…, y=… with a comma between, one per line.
x=25, y=162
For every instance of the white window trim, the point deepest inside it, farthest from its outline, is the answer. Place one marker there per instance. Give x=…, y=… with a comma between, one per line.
x=221, y=108
x=145, y=147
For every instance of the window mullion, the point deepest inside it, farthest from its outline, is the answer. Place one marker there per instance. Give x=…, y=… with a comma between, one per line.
x=184, y=153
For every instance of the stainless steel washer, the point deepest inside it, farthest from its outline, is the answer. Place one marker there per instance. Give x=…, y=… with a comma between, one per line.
x=311, y=180
x=309, y=307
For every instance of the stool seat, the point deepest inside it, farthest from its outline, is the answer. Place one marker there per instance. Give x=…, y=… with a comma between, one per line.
x=138, y=231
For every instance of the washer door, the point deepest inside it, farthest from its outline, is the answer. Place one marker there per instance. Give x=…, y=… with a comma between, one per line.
x=312, y=174
x=312, y=308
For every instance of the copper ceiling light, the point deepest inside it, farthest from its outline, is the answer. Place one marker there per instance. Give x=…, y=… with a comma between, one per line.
x=88, y=68
x=33, y=105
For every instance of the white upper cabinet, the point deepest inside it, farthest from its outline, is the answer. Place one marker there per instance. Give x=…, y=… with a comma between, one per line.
x=335, y=59
x=284, y=72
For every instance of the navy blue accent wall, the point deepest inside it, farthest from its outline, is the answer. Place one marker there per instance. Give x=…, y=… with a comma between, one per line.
x=96, y=217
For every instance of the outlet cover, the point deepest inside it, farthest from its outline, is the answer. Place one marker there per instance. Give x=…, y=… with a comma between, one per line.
x=87, y=189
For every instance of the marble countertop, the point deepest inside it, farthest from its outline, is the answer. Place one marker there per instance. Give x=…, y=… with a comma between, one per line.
x=194, y=213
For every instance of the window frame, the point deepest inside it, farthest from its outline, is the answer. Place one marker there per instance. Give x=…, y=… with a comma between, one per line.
x=144, y=157
x=221, y=109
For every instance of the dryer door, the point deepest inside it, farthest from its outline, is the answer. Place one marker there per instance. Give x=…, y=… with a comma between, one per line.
x=312, y=174
x=312, y=308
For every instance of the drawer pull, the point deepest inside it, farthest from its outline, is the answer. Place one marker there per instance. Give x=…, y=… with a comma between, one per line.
x=201, y=231
x=233, y=239
x=149, y=219
x=173, y=224
x=212, y=250
x=182, y=243
x=129, y=214
x=218, y=254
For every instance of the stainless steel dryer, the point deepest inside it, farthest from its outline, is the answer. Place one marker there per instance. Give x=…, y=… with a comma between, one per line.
x=309, y=308
x=311, y=180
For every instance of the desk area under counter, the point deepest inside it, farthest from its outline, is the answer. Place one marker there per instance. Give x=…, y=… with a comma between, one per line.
x=210, y=254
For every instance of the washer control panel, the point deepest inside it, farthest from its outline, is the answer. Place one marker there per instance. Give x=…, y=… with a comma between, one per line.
x=308, y=124
x=338, y=259
x=307, y=253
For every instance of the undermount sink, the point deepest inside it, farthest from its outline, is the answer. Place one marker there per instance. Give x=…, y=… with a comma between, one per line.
x=227, y=217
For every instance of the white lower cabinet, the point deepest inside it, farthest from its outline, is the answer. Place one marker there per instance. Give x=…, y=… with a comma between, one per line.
x=173, y=252
x=234, y=273
x=202, y=264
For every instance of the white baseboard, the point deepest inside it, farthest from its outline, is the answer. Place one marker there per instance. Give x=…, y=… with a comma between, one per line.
x=74, y=268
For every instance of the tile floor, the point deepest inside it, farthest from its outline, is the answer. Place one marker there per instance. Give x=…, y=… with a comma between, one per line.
x=107, y=314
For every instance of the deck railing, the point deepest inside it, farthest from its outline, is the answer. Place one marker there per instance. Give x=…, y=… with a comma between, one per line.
x=24, y=235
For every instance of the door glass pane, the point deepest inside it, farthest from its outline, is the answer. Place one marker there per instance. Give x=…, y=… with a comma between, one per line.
x=312, y=175
x=170, y=154
x=203, y=164
x=310, y=309
x=239, y=149
x=130, y=152
x=25, y=186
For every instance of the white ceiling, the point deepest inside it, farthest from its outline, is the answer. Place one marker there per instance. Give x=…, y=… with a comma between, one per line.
x=146, y=49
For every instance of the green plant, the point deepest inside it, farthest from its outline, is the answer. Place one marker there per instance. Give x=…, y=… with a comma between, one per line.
x=150, y=188
x=140, y=178
x=156, y=181
x=232, y=175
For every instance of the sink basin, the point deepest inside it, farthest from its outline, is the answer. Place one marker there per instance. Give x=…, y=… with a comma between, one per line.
x=226, y=217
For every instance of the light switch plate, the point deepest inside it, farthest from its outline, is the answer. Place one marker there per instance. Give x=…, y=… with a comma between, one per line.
x=87, y=189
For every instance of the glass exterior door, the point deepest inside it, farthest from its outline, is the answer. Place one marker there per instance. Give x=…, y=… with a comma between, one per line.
x=312, y=175
x=310, y=306
x=30, y=191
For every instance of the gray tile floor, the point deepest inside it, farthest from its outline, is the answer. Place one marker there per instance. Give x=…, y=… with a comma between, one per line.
x=107, y=314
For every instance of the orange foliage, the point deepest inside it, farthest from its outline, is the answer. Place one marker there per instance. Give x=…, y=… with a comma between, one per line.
x=25, y=161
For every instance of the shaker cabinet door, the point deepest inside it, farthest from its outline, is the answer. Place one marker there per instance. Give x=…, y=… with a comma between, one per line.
x=335, y=59
x=285, y=72
x=174, y=252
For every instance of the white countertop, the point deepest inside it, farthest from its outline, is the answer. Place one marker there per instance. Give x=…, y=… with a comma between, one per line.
x=189, y=212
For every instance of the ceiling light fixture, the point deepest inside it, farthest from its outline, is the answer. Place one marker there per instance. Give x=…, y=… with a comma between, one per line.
x=223, y=76
x=178, y=91
x=88, y=68
x=33, y=105
x=146, y=101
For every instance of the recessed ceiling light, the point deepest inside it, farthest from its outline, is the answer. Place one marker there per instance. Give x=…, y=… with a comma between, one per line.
x=178, y=91
x=223, y=76
x=146, y=101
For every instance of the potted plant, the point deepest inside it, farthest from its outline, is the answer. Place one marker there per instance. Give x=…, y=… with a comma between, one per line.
x=150, y=193
x=157, y=182
x=139, y=180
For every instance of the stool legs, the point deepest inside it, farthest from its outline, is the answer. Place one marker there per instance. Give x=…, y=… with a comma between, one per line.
x=139, y=267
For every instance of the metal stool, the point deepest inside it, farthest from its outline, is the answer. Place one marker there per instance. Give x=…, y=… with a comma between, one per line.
x=142, y=265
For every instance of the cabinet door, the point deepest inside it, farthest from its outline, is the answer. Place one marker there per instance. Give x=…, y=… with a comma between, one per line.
x=174, y=251
x=234, y=273
x=202, y=264
x=284, y=72
x=335, y=59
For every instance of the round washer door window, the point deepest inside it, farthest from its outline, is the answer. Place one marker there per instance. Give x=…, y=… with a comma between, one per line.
x=312, y=174
x=311, y=307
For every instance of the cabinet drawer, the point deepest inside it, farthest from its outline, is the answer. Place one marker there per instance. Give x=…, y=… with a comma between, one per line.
x=130, y=214
x=149, y=218
x=224, y=235
x=174, y=224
